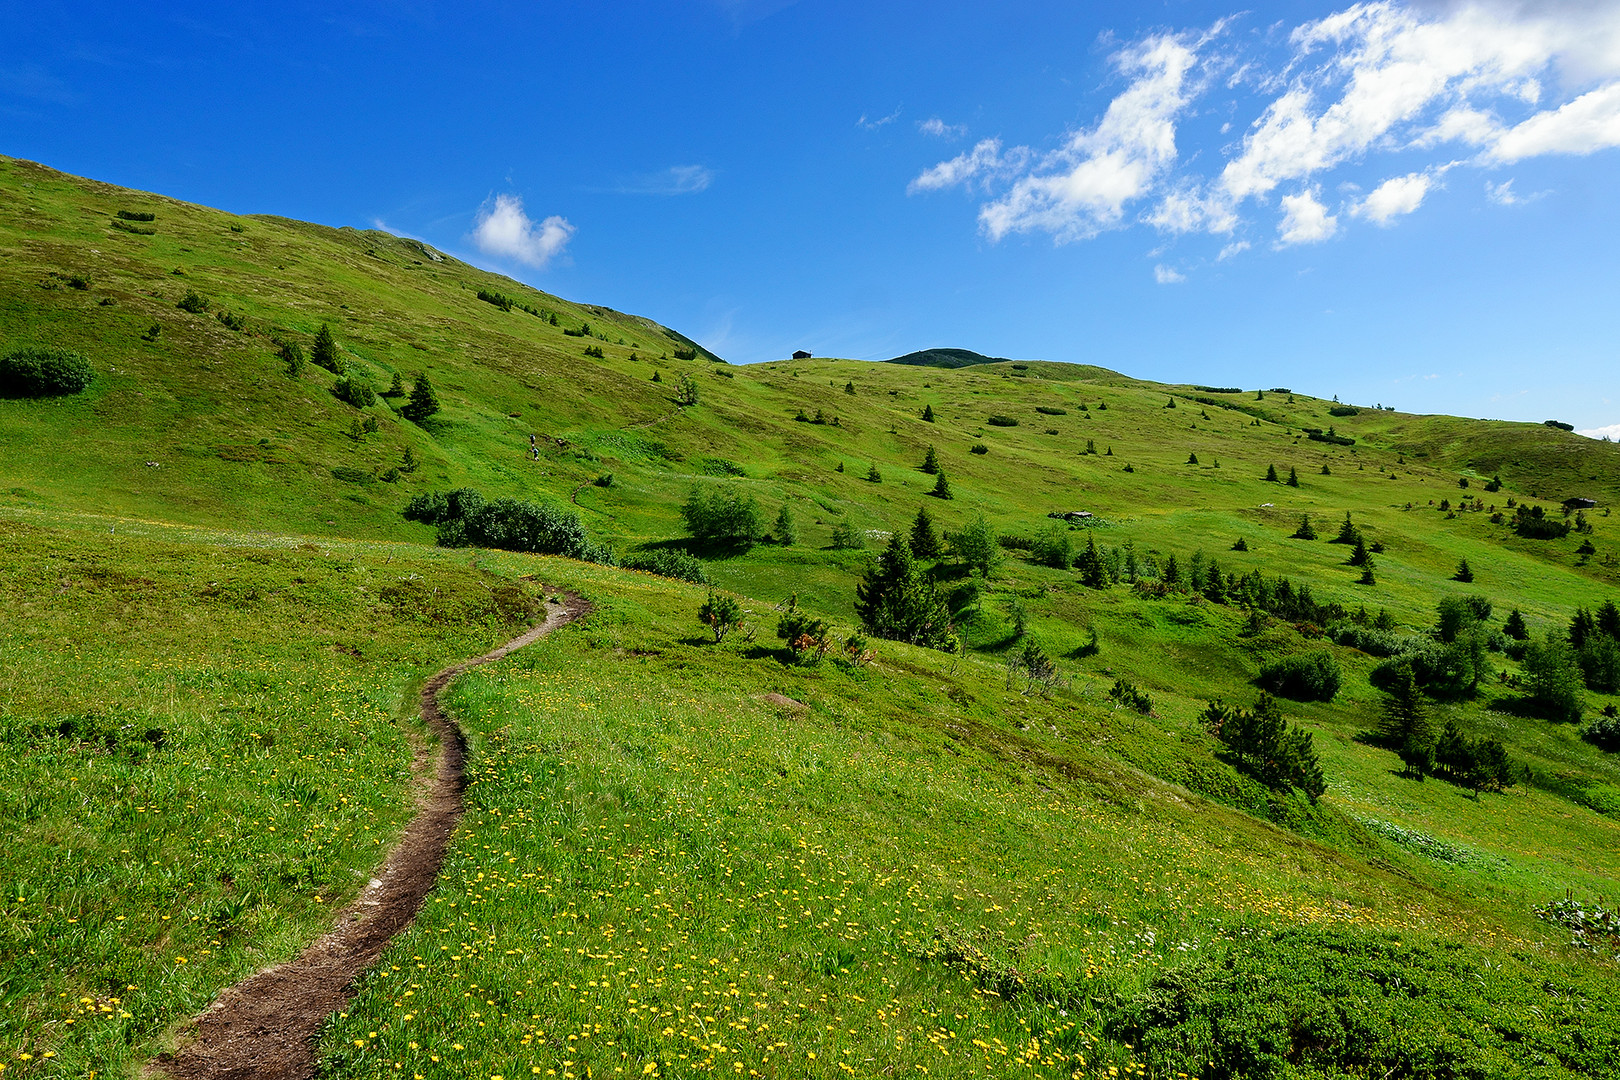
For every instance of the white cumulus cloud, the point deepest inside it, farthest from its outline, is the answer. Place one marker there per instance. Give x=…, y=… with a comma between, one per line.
x=1496, y=81
x=1083, y=187
x=1610, y=432
x=1168, y=275
x=1305, y=220
x=503, y=230
x=1394, y=197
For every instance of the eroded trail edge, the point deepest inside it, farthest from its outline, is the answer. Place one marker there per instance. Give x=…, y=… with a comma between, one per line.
x=265, y=1026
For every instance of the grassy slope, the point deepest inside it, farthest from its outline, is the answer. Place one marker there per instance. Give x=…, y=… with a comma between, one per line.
x=234, y=440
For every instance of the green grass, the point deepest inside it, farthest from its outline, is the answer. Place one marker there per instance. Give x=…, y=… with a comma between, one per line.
x=197, y=545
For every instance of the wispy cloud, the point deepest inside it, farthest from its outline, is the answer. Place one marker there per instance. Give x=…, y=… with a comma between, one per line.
x=1395, y=197
x=940, y=129
x=675, y=180
x=503, y=230
x=1168, y=275
x=866, y=124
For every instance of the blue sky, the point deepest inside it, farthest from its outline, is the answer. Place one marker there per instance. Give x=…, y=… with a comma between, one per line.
x=1400, y=203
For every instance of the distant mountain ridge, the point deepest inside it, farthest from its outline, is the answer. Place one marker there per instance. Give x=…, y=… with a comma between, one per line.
x=946, y=358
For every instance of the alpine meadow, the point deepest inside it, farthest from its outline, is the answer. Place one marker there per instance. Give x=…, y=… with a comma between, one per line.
x=947, y=717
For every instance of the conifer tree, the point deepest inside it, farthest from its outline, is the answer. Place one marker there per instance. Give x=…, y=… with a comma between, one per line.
x=942, y=487
x=873, y=475
x=1348, y=533
x=325, y=351
x=930, y=463
x=924, y=538
x=423, y=402
x=1271, y=474
x=928, y=413
x=785, y=530
x=1293, y=477
x=1514, y=626
x=1093, y=572
x=1305, y=531
x=1404, y=726
x=1360, y=556
x=1464, y=572
x=895, y=601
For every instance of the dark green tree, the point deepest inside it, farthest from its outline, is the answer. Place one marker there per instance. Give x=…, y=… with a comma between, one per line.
x=722, y=518
x=1464, y=572
x=976, y=545
x=924, y=538
x=1359, y=556
x=928, y=413
x=785, y=530
x=721, y=614
x=1404, y=727
x=1271, y=474
x=942, y=487
x=423, y=402
x=1514, y=626
x=896, y=601
x=1090, y=566
x=1555, y=680
x=1348, y=533
x=1293, y=477
x=873, y=475
x=930, y=463
x=1305, y=531
x=325, y=351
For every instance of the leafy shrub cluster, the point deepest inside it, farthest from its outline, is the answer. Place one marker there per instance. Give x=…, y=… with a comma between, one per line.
x=1532, y=523
x=667, y=562
x=1050, y=410
x=1327, y=1002
x=193, y=302
x=716, y=517
x=1329, y=436
x=1278, y=754
x=1126, y=695
x=1002, y=421
x=465, y=519
x=1312, y=677
x=355, y=391
x=501, y=301
x=137, y=215
x=1343, y=410
x=34, y=371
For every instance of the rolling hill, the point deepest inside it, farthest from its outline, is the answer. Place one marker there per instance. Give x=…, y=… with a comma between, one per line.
x=685, y=855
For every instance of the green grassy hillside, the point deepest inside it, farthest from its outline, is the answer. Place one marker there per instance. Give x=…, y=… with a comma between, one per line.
x=928, y=863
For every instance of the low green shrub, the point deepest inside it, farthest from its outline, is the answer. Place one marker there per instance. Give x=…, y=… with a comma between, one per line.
x=34, y=371
x=137, y=215
x=1002, y=421
x=667, y=562
x=194, y=302
x=1313, y=677
x=354, y=390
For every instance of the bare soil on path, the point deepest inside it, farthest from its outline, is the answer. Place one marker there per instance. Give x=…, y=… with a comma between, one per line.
x=265, y=1027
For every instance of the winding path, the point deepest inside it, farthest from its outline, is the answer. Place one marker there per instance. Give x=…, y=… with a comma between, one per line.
x=265, y=1026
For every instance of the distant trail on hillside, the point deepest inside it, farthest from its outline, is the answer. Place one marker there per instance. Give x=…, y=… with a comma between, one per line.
x=265, y=1026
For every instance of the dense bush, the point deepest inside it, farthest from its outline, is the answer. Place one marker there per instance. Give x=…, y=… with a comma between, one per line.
x=423, y=402
x=1327, y=1002
x=716, y=517
x=1049, y=410
x=1603, y=732
x=465, y=519
x=895, y=600
x=137, y=215
x=43, y=371
x=668, y=562
x=1370, y=639
x=354, y=390
x=1553, y=673
x=324, y=353
x=194, y=302
x=1002, y=421
x=1278, y=754
x=1313, y=677
x=1343, y=410
x=1532, y=523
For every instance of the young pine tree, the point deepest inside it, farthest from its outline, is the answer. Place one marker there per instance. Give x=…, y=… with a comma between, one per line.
x=785, y=530
x=1271, y=474
x=325, y=351
x=928, y=413
x=942, y=487
x=895, y=600
x=930, y=463
x=924, y=537
x=1305, y=530
x=1404, y=726
x=1293, y=477
x=423, y=402
x=1514, y=626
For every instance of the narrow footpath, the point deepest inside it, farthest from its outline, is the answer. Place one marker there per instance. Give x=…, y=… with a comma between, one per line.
x=265, y=1026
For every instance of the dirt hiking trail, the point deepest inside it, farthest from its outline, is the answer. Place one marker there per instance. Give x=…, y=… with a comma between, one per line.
x=265, y=1026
